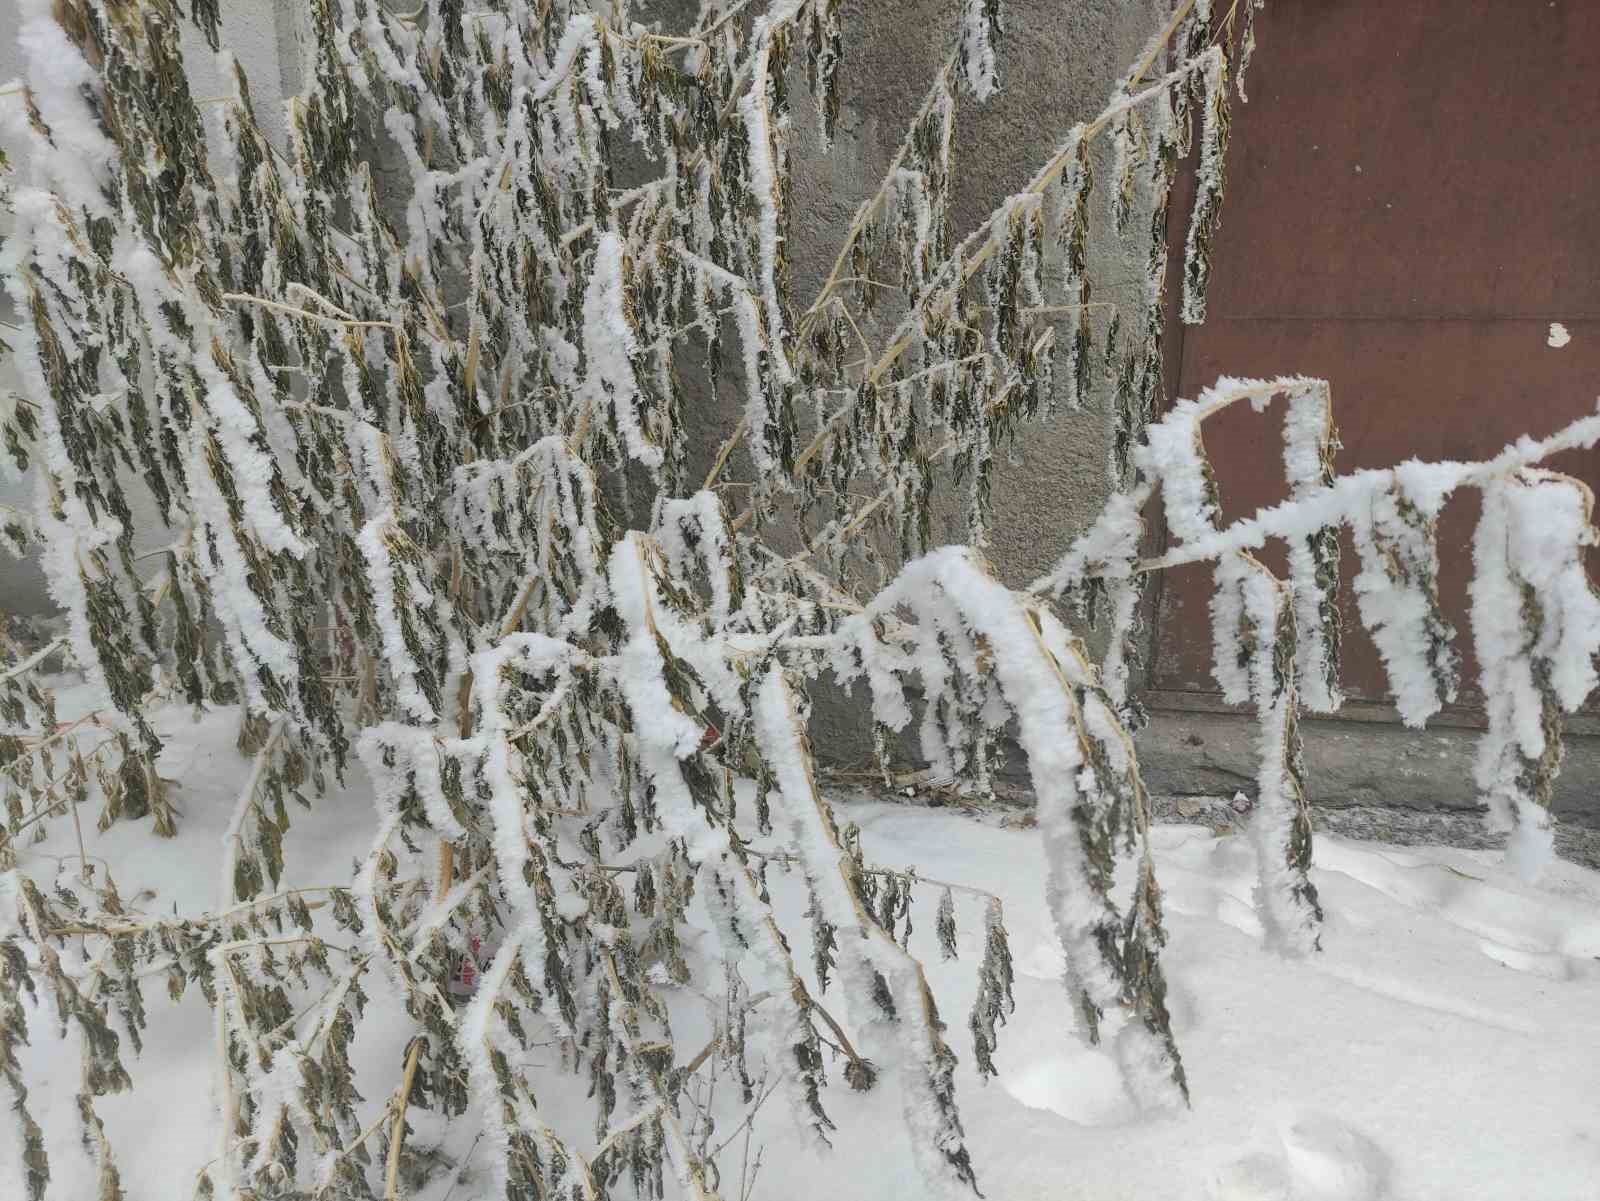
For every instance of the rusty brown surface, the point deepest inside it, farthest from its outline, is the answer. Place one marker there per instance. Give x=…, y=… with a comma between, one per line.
x=1414, y=196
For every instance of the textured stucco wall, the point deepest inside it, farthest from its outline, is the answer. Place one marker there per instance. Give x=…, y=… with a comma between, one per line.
x=1058, y=63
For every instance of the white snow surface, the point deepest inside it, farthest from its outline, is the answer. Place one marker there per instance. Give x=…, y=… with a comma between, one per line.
x=1442, y=1045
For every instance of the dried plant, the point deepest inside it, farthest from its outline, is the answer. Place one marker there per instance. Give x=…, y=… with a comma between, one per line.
x=389, y=432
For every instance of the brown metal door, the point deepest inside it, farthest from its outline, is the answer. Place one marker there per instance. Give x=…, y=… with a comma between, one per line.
x=1413, y=199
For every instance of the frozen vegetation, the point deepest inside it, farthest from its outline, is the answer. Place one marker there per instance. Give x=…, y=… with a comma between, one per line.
x=439, y=745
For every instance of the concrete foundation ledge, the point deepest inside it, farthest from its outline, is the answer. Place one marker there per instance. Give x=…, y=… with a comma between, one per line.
x=1377, y=823
x=1352, y=765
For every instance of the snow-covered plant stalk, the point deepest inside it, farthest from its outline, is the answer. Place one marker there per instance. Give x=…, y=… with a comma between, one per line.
x=1535, y=630
x=1535, y=614
x=1259, y=621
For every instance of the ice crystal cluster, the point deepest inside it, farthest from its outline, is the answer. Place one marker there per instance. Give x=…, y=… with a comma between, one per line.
x=422, y=515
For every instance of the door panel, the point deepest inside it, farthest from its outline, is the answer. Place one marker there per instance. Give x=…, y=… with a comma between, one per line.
x=1414, y=196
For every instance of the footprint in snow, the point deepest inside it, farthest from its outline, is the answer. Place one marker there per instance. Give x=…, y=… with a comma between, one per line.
x=1319, y=1159
x=1083, y=1085
x=1256, y=1177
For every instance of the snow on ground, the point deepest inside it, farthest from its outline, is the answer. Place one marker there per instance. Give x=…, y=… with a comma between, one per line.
x=1444, y=1044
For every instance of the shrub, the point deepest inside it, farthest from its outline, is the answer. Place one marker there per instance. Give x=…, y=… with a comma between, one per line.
x=389, y=449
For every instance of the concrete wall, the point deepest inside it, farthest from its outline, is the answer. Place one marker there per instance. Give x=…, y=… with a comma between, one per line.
x=1058, y=64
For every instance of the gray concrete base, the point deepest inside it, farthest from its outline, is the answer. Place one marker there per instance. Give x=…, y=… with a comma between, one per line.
x=1365, y=779
x=1350, y=765
x=1394, y=824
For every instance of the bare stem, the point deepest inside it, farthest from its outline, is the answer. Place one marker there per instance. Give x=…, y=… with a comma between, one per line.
x=397, y=1132
x=865, y=213
x=33, y=660
x=727, y=449
x=243, y=298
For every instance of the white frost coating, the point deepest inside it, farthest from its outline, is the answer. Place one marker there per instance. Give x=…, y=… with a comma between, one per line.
x=745, y=925
x=666, y=734
x=251, y=468
x=76, y=156
x=381, y=566
x=1036, y=664
x=1536, y=630
x=64, y=545
x=711, y=550
x=276, y=1091
x=73, y=162
x=1540, y=619
x=1249, y=608
x=1396, y=594
x=755, y=346
x=16, y=1174
x=364, y=892
x=635, y=591
x=1208, y=180
x=1230, y=662
x=238, y=608
x=482, y=1031
x=532, y=652
x=763, y=173
x=1114, y=669
x=1341, y=500
x=481, y=1028
x=608, y=349
x=1112, y=542
x=476, y=1038
x=908, y=1045
x=977, y=48
x=1069, y=193
x=754, y=343
x=1146, y=1065
x=1307, y=448
x=1289, y=924
x=1174, y=454
x=557, y=490
x=10, y=913
x=417, y=751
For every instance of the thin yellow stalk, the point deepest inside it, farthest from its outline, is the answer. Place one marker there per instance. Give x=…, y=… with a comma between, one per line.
x=727, y=449
x=397, y=1132
x=245, y=298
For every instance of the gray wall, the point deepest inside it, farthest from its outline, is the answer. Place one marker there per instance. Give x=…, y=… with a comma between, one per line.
x=1057, y=64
